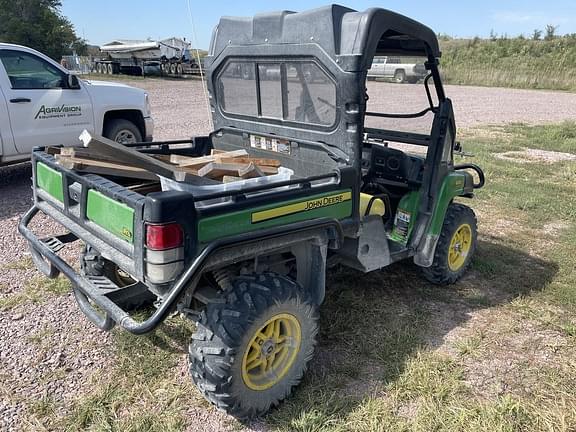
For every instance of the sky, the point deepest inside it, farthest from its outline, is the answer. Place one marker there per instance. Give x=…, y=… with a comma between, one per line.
x=105, y=20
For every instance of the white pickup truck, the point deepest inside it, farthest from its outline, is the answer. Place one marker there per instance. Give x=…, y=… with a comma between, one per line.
x=400, y=69
x=41, y=103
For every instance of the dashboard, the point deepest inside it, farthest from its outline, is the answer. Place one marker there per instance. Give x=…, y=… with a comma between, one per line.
x=392, y=167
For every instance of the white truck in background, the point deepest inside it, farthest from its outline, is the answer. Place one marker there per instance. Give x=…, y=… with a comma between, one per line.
x=400, y=69
x=42, y=104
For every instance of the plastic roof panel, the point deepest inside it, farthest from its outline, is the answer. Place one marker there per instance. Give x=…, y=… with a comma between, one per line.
x=339, y=31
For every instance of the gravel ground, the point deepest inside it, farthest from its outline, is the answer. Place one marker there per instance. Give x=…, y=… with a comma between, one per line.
x=47, y=350
x=50, y=350
x=474, y=106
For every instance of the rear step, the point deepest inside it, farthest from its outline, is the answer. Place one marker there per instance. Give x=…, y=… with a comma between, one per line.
x=129, y=298
x=55, y=244
x=58, y=242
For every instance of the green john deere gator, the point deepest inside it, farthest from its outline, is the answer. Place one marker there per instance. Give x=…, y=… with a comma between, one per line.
x=248, y=264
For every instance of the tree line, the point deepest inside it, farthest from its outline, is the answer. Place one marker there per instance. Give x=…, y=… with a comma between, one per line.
x=39, y=24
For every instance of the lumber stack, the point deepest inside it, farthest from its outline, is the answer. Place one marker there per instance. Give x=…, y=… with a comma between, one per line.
x=83, y=160
x=225, y=166
x=105, y=157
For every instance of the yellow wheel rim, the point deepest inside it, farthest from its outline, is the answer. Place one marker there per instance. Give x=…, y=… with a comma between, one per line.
x=271, y=352
x=460, y=246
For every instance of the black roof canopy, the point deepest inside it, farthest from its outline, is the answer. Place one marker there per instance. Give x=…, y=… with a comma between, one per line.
x=340, y=40
x=338, y=30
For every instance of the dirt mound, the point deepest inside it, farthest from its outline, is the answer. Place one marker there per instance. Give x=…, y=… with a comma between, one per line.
x=535, y=156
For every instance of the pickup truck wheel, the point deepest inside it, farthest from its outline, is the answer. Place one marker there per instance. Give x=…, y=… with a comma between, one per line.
x=400, y=76
x=122, y=131
x=252, y=346
x=455, y=247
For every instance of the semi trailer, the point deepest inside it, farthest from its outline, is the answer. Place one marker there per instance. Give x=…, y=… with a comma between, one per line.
x=167, y=57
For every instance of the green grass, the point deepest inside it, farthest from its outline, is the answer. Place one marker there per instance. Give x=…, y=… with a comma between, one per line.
x=142, y=392
x=495, y=352
x=37, y=290
x=119, y=77
x=132, y=78
x=23, y=264
x=471, y=345
x=41, y=337
x=390, y=328
x=511, y=62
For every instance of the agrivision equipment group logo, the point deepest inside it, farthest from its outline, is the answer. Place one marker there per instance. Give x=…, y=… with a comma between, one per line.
x=58, y=112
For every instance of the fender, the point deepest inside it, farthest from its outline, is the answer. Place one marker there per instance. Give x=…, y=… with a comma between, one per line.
x=454, y=185
x=108, y=97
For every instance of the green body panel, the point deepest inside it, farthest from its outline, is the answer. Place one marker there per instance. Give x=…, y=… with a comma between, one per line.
x=452, y=187
x=405, y=217
x=288, y=212
x=113, y=216
x=50, y=181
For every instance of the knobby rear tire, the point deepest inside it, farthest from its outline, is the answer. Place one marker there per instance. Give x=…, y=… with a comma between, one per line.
x=440, y=272
x=224, y=334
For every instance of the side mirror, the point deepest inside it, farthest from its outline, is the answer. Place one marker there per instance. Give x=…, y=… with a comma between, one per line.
x=73, y=82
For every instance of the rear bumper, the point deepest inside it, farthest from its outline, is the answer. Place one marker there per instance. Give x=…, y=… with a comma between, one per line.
x=100, y=291
x=44, y=255
x=91, y=291
x=149, y=129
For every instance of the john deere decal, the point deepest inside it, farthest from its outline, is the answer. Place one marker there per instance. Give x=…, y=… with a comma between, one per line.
x=301, y=207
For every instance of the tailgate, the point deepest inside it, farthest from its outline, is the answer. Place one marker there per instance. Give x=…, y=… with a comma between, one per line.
x=98, y=211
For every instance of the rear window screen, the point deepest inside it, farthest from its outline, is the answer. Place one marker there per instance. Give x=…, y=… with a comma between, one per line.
x=270, y=89
x=299, y=91
x=238, y=82
x=311, y=94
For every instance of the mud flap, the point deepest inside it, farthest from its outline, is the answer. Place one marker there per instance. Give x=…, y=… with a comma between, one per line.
x=425, y=254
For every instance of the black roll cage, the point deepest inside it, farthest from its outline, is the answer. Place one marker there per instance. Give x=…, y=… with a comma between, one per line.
x=343, y=42
x=411, y=137
x=431, y=107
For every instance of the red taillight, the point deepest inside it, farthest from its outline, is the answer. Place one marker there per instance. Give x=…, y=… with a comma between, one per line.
x=162, y=237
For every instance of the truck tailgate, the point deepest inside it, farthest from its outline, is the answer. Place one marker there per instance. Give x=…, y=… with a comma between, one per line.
x=98, y=211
